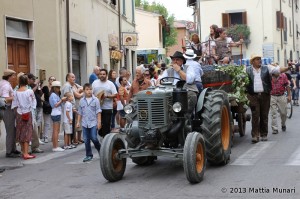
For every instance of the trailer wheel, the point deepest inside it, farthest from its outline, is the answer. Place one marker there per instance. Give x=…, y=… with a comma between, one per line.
x=194, y=157
x=144, y=161
x=111, y=166
x=216, y=127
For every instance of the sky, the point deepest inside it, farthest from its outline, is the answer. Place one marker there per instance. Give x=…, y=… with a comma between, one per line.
x=178, y=8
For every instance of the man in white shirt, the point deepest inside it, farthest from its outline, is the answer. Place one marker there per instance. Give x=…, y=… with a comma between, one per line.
x=6, y=92
x=183, y=72
x=259, y=96
x=106, y=91
x=189, y=56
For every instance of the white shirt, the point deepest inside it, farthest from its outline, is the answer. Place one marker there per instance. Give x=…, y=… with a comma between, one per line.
x=24, y=100
x=197, y=69
x=257, y=84
x=109, y=89
x=190, y=75
x=68, y=108
x=5, y=89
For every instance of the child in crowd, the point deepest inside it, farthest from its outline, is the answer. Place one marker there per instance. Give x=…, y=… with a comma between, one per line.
x=123, y=95
x=55, y=103
x=89, y=113
x=68, y=117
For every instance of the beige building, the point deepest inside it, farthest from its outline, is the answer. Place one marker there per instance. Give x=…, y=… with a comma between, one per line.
x=61, y=36
x=182, y=35
x=149, y=27
x=274, y=25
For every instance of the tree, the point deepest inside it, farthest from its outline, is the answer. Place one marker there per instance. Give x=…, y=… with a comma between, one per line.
x=171, y=35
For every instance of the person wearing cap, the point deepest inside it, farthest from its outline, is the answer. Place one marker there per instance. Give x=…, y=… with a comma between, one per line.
x=37, y=113
x=6, y=91
x=190, y=56
x=186, y=73
x=56, y=104
x=258, y=93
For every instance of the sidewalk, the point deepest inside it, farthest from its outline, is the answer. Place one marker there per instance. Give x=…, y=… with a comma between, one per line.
x=14, y=163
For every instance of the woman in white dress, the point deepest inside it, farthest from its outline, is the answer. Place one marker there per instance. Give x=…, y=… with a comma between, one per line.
x=24, y=101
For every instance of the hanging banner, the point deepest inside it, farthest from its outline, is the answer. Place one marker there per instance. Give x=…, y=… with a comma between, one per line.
x=129, y=39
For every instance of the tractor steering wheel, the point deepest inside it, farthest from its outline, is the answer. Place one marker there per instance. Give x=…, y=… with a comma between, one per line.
x=179, y=84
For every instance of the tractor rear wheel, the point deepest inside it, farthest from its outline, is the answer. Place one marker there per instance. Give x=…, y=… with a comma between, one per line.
x=194, y=157
x=216, y=127
x=111, y=165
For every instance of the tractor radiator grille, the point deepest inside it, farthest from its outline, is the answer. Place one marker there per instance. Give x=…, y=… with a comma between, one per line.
x=151, y=112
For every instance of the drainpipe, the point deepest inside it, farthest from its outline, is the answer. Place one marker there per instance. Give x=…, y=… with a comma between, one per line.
x=293, y=23
x=119, y=13
x=68, y=35
x=199, y=19
x=281, y=28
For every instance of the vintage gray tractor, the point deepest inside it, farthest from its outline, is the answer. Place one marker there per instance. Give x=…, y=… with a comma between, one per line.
x=158, y=125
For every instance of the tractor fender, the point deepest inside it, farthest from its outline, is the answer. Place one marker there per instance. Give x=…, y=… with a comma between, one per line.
x=201, y=99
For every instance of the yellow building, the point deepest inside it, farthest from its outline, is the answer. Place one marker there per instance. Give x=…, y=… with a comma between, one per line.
x=61, y=36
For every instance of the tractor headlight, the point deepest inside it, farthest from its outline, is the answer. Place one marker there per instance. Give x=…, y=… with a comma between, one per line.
x=177, y=107
x=128, y=109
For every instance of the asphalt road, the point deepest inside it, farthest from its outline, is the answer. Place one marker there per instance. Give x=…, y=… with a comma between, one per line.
x=259, y=171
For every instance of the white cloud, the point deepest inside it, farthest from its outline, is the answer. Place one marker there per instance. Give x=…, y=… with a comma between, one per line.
x=178, y=8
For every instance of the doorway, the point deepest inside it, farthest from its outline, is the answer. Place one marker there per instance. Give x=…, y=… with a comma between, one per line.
x=18, y=56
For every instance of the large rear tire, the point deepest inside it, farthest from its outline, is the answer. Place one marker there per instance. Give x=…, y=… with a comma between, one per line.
x=111, y=166
x=216, y=127
x=194, y=157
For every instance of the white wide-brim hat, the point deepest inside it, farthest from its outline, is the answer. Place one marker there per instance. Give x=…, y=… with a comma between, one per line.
x=56, y=83
x=189, y=54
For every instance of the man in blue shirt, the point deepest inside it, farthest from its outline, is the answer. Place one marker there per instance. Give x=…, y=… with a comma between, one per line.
x=94, y=75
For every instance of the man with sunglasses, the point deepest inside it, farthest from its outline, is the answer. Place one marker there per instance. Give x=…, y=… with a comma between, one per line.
x=258, y=93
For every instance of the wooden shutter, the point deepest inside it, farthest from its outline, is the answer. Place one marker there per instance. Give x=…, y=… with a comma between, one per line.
x=225, y=20
x=278, y=20
x=244, y=18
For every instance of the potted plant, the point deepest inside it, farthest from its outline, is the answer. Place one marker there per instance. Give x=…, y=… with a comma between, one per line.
x=239, y=31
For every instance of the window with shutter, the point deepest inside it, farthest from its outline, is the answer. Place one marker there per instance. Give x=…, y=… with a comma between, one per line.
x=191, y=2
x=229, y=19
x=290, y=27
x=285, y=30
x=278, y=14
x=225, y=20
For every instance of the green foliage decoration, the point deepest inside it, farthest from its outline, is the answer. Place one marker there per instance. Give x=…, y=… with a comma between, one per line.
x=238, y=31
x=239, y=82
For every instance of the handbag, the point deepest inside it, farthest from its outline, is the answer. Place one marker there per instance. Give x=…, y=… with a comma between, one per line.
x=47, y=107
x=25, y=116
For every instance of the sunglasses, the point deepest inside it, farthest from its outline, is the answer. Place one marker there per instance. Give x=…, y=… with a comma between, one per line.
x=147, y=74
x=52, y=79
